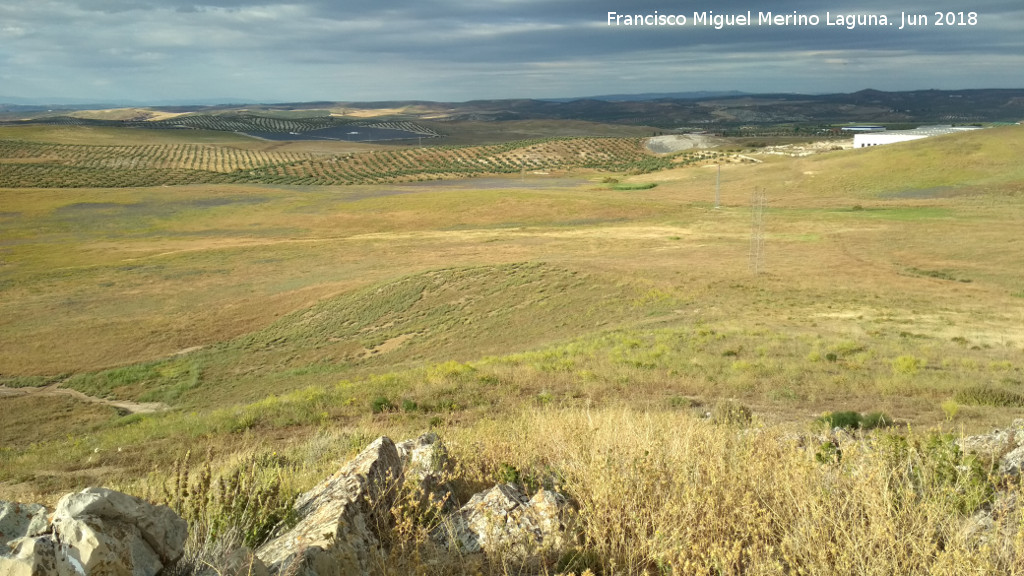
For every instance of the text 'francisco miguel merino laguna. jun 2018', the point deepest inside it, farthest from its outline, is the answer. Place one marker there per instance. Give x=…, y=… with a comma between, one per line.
x=750, y=18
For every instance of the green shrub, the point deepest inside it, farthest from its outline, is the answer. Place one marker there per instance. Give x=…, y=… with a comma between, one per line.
x=680, y=402
x=936, y=467
x=989, y=396
x=854, y=420
x=828, y=453
x=950, y=408
x=507, y=473
x=634, y=186
x=907, y=365
x=381, y=404
x=945, y=466
x=849, y=420
x=873, y=420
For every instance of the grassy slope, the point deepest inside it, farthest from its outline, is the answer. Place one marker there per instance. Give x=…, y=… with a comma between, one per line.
x=283, y=287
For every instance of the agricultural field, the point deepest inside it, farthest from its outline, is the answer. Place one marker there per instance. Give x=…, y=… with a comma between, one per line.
x=528, y=300
x=40, y=164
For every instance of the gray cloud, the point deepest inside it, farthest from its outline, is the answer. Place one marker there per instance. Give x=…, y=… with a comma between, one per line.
x=462, y=49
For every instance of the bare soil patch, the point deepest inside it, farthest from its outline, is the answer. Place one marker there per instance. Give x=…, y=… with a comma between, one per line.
x=679, y=142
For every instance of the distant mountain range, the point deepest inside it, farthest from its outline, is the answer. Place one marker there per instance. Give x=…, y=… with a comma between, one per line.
x=76, y=104
x=689, y=110
x=8, y=102
x=652, y=96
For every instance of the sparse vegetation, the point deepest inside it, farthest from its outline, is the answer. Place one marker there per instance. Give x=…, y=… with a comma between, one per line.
x=553, y=329
x=989, y=396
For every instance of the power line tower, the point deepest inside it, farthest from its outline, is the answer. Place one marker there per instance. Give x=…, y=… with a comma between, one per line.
x=757, y=206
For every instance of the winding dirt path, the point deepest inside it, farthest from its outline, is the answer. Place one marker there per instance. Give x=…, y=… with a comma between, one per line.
x=56, y=390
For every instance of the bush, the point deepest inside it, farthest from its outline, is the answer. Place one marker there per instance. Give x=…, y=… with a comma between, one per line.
x=381, y=404
x=854, y=420
x=946, y=468
x=848, y=420
x=248, y=503
x=873, y=420
x=950, y=408
x=680, y=402
x=907, y=365
x=828, y=453
x=634, y=186
x=989, y=396
x=731, y=413
x=507, y=474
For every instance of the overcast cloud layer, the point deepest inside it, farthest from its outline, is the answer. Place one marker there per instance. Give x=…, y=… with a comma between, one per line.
x=456, y=50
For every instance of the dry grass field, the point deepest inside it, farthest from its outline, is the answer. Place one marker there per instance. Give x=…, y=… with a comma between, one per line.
x=525, y=316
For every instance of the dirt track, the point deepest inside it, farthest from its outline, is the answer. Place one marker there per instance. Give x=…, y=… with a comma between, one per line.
x=56, y=390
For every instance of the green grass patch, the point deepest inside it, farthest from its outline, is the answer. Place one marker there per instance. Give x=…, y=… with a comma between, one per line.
x=163, y=381
x=855, y=420
x=634, y=186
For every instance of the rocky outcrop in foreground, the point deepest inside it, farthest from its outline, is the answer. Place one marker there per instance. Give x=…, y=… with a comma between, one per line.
x=345, y=520
x=343, y=524
x=95, y=531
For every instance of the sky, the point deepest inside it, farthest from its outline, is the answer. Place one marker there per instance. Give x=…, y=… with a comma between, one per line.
x=220, y=51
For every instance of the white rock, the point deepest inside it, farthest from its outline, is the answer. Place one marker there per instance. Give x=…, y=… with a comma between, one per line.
x=159, y=526
x=1012, y=462
x=18, y=520
x=30, y=557
x=506, y=522
x=93, y=546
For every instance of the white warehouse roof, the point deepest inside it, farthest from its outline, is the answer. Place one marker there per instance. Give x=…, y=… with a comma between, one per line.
x=892, y=136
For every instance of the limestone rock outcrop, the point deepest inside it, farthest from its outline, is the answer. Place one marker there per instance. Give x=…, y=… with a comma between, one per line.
x=505, y=520
x=424, y=461
x=1006, y=445
x=344, y=524
x=100, y=531
x=18, y=520
x=341, y=519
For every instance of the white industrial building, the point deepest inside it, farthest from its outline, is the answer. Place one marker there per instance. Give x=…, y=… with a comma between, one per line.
x=864, y=140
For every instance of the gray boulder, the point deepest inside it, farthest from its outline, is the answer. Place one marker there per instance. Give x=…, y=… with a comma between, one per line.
x=342, y=519
x=163, y=531
x=99, y=532
x=18, y=520
x=994, y=526
x=505, y=522
x=996, y=442
x=97, y=546
x=1012, y=462
x=424, y=461
x=30, y=557
x=1006, y=445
